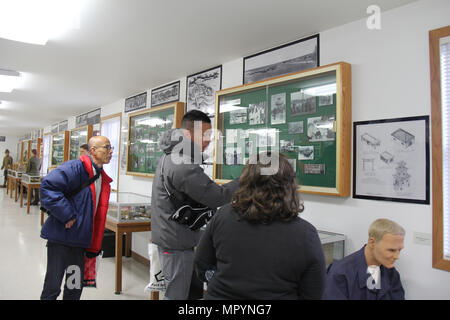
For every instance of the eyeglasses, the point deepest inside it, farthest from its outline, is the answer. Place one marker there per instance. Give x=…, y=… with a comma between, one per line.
x=107, y=147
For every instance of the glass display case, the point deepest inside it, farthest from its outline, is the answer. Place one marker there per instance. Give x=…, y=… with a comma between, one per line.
x=59, y=148
x=78, y=137
x=15, y=174
x=304, y=115
x=145, y=128
x=129, y=207
x=31, y=179
x=333, y=246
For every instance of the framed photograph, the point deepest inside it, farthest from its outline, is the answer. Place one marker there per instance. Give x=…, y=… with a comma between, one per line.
x=302, y=103
x=321, y=129
x=166, y=94
x=201, y=90
x=292, y=57
x=257, y=113
x=136, y=102
x=306, y=153
x=391, y=160
x=278, y=108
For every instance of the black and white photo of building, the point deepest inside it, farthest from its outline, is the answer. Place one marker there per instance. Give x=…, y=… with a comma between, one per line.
x=295, y=127
x=302, y=103
x=166, y=94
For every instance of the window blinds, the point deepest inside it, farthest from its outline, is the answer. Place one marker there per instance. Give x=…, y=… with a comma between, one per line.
x=445, y=86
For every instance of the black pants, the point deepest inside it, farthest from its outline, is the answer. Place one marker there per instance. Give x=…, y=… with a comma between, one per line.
x=5, y=174
x=62, y=260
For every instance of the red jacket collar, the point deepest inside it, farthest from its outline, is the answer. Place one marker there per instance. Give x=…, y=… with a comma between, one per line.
x=87, y=163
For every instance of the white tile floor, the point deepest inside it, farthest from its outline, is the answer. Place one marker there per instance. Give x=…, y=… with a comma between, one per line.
x=24, y=259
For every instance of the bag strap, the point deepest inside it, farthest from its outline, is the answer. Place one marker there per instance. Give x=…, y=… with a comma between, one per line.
x=84, y=185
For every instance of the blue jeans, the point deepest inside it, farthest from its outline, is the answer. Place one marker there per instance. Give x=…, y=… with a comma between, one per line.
x=63, y=260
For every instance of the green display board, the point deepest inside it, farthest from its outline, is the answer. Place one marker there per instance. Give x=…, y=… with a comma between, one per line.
x=145, y=128
x=295, y=115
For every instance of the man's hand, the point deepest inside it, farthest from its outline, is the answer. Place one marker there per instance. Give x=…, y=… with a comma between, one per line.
x=70, y=223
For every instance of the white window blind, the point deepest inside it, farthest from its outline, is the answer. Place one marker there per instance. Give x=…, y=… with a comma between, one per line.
x=45, y=155
x=111, y=130
x=445, y=86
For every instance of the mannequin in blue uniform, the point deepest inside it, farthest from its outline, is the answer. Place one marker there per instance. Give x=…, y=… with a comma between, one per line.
x=369, y=273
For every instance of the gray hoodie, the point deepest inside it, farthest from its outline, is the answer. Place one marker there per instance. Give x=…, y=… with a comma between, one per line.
x=185, y=178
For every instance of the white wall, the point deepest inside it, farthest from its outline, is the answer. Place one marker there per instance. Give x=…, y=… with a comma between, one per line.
x=390, y=78
x=10, y=143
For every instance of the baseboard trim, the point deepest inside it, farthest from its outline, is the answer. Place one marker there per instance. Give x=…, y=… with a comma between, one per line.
x=140, y=258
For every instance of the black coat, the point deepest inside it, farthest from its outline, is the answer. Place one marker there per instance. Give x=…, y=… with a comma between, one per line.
x=281, y=260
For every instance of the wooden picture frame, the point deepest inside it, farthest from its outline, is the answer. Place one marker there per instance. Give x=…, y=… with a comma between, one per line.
x=249, y=108
x=391, y=160
x=59, y=149
x=165, y=94
x=144, y=130
x=296, y=56
x=78, y=136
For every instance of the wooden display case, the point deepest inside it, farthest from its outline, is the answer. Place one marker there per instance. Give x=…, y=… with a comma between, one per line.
x=144, y=130
x=59, y=148
x=78, y=137
x=304, y=115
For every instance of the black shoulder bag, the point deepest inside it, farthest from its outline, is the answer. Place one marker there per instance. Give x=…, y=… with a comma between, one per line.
x=192, y=217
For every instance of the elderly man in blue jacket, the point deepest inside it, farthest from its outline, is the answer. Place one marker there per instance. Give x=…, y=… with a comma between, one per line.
x=369, y=273
x=77, y=205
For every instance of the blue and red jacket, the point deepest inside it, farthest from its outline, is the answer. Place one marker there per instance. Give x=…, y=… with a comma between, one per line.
x=87, y=231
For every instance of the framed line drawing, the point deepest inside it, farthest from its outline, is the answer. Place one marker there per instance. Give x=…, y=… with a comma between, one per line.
x=201, y=90
x=391, y=160
x=165, y=94
x=291, y=57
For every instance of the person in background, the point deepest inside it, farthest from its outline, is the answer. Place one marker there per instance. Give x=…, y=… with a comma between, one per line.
x=33, y=169
x=77, y=196
x=369, y=273
x=84, y=150
x=258, y=247
x=7, y=164
x=179, y=173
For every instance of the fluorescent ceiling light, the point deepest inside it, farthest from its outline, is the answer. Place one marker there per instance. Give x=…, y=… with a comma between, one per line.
x=37, y=21
x=9, y=80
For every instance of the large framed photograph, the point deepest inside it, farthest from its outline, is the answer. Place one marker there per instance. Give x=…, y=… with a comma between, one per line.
x=166, y=94
x=201, y=90
x=391, y=160
x=136, y=102
x=292, y=57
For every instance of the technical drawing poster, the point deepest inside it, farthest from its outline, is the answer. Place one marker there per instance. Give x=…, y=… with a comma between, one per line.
x=391, y=160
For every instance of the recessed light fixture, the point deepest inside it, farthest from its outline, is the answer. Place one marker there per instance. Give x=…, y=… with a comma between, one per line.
x=36, y=22
x=9, y=80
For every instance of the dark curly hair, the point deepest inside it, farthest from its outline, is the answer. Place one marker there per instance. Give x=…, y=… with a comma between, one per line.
x=264, y=198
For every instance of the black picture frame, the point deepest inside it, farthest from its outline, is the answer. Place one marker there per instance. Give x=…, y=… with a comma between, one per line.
x=165, y=94
x=266, y=64
x=391, y=160
x=201, y=90
x=136, y=102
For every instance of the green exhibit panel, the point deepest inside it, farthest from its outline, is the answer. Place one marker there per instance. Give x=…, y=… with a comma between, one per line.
x=145, y=129
x=295, y=115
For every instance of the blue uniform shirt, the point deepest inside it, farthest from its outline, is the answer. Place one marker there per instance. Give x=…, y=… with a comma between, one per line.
x=348, y=278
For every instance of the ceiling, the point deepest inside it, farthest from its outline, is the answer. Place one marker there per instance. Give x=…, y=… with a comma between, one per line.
x=124, y=47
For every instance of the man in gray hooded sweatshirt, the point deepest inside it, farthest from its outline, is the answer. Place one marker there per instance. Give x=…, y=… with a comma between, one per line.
x=179, y=173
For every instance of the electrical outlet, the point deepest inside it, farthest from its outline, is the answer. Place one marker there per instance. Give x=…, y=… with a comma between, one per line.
x=422, y=238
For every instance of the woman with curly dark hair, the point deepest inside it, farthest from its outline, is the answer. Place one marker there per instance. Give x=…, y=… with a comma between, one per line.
x=257, y=247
